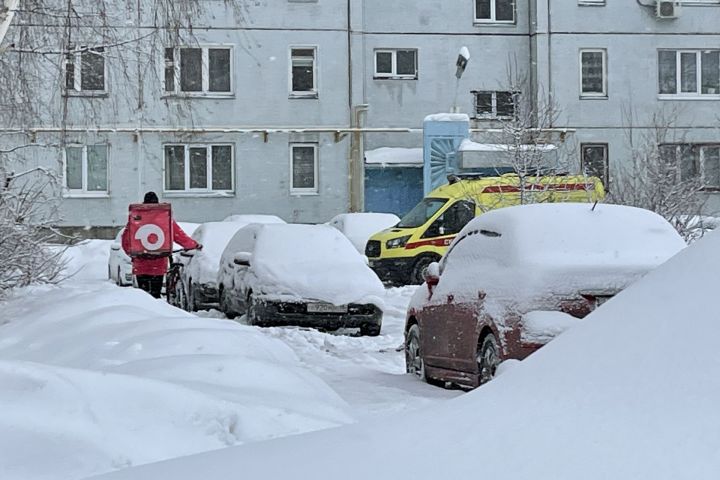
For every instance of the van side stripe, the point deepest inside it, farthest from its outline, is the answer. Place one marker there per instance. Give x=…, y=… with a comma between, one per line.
x=434, y=242
x=565, y=187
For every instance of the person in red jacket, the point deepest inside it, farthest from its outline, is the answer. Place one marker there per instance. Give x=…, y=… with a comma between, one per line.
x=150, y=272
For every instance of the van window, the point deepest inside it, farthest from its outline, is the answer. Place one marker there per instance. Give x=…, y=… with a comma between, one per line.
x=422, y=212
x=452, y=220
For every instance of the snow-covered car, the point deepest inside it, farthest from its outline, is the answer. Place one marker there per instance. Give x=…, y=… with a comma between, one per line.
x=304, y=275
x=516, y=277
x=248, y=218
x=193, y=274
x=119, y=266
x=359, y=227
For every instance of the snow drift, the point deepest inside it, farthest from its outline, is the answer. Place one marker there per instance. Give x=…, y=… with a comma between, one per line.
x=630, y=392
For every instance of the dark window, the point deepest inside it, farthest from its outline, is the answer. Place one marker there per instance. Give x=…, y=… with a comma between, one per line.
x=593, y=72
x=491, y=104
x=452, y=220
x=303, y=168
x=303, y=70
x=174, y=167
x=85, y=70
x=594, y=161
x=222, y=167
x=396, y=63
x=198, y=167
x=169, y=69
x=191, y=69
x=495, y=10
x=406, y=62
x=219, y=69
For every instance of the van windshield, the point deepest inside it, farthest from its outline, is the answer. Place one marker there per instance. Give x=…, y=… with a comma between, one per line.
x=422, y=212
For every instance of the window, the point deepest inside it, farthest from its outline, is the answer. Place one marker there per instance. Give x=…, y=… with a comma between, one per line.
x=303, y=168
x=695, y=161
x=303, y=76
x=494, y=104
x=86, y=169
x=593, y=73
x=689, y=73
x=498, y=11
x=397, y=64
x=85, y=70
x=198, y=168
x=452, y=220
x=198, y=71
x=594, y=161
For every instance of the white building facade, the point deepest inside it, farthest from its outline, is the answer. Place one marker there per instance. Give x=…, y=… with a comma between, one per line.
x=254, y=112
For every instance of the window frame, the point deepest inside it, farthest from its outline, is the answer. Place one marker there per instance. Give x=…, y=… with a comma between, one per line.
x=394, y=75
x=84, y=192
x=493, y=14
x=77, y=53
x=208, y=169
x=316, y=154
x=699, y=160
x=314, y=93
x=493, y=115
x=205, y=72
x=594, y=95
x=679, y=94
x=606, y=161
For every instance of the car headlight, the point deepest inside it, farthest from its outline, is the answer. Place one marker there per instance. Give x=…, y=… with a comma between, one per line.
x=397, y=242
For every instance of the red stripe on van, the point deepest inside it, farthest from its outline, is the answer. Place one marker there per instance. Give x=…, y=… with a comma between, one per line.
x=435, y=242
x=564, y=187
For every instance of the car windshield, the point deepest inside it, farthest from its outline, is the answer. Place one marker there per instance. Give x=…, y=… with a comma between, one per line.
x=422, y=212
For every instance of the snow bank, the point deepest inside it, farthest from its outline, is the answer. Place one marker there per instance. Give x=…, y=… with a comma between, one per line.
x=394, y=156
x=96, y=378
x=359, y=227
x=87, y=260
x=252, y=218
x=630, y=392
x=313, y=262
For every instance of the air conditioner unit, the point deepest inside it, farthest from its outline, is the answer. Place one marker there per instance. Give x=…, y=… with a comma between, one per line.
x=667, y=9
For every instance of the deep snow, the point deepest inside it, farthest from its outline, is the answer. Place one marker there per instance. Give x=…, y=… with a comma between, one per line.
x=632, y=392
x=97, y=377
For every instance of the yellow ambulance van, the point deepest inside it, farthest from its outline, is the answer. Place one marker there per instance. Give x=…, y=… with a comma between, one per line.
x=400, y=254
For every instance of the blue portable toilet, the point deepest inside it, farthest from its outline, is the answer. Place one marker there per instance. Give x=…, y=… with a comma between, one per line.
x=442, y=135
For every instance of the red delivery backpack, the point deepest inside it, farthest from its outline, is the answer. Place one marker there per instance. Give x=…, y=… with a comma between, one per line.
x=150, y=230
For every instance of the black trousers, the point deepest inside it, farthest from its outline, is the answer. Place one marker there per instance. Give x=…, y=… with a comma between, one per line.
x=151, y=284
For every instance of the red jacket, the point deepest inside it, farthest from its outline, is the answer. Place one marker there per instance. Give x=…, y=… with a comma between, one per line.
x=157, y=266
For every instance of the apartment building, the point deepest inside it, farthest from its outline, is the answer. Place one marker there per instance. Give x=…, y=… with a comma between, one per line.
x=257, y=111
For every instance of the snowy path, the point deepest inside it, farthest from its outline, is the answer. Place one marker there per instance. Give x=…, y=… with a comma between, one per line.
x=367, y=372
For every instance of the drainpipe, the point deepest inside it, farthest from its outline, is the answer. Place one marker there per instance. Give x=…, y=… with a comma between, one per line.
x=357, y=162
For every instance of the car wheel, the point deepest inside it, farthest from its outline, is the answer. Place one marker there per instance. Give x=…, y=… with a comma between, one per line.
x=180, y=297
x=119, y=281
x=416, y=274
x=488, y=358
x=370, y=329
x=251, y=312
x=109, y=273
x=190, y=298
x=414, y=363
x=225, y=304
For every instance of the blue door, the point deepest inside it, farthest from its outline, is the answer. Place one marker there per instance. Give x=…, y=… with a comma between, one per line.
x=393, y=189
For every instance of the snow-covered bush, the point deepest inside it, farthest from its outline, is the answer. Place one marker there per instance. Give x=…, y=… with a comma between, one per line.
x=28, y=202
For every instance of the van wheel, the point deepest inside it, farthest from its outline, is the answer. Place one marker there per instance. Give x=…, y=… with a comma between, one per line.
x=416, y=274
x=488, y=358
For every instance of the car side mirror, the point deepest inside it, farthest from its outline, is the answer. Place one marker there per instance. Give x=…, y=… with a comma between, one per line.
x=431, y=274
x=242, y=259
x=115, y=247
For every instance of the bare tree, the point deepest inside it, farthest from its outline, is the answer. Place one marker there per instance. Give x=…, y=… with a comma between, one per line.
x=43, y=45
x=661, y=174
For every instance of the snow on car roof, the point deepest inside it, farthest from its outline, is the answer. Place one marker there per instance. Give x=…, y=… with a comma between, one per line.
x=577, y=233
x=253, y=218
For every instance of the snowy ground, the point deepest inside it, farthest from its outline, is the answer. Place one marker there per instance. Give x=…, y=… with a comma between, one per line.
x=99, y=377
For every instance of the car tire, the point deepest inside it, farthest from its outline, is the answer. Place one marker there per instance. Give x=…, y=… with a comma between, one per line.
x=414, y=363
x=224, y=304
x=488, y=358
x=370, y=329
x=119, y=281
x=251, y=316
x=109, y=273
x=180, y=297
x=416, y=274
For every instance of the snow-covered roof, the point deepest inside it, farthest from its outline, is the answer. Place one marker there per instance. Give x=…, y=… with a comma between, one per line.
x=359, y=227
x=470, y=146
x=448, y=117
x=394, y=156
